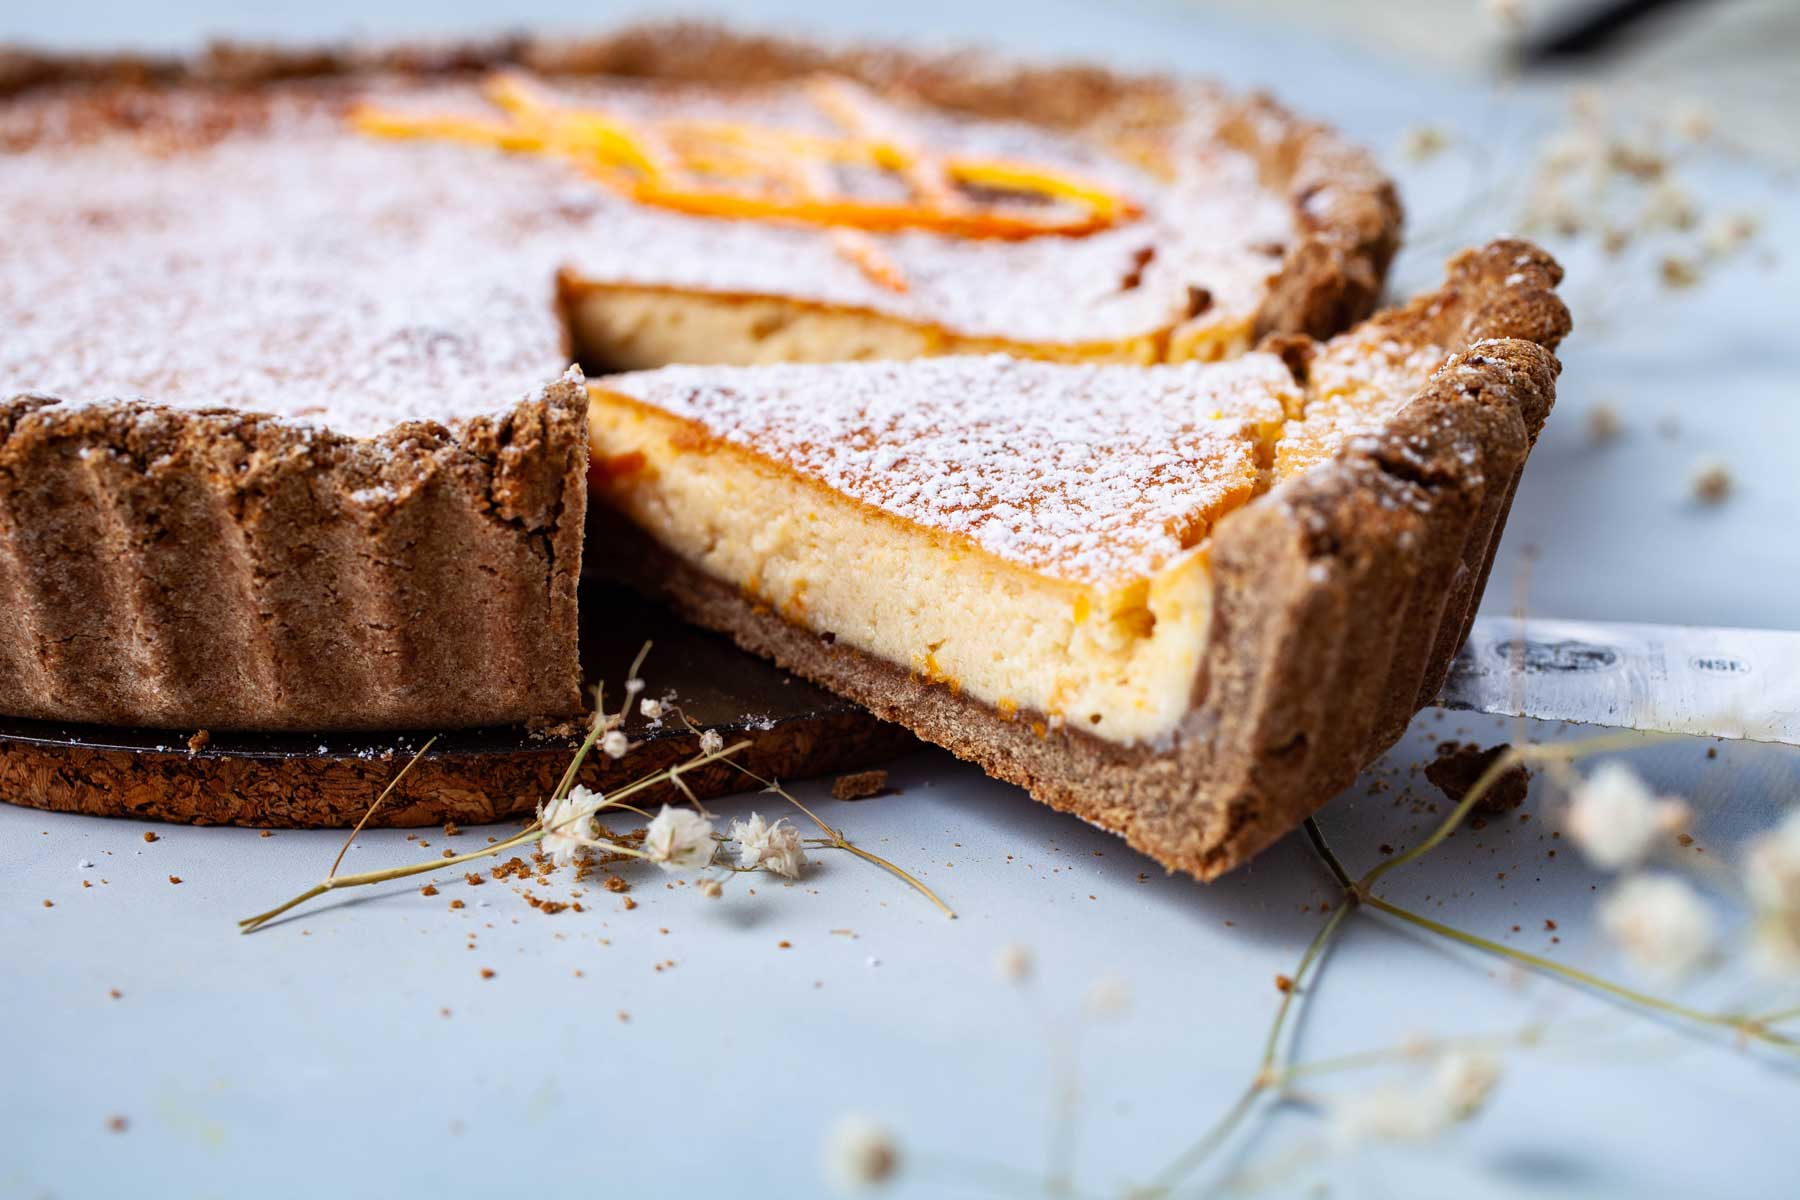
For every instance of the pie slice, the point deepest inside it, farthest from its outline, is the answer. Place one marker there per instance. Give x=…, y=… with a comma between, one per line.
x=1187, y=602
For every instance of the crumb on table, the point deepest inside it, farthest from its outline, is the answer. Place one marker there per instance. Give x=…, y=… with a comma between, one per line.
x=859, y=786
x=1459, y=765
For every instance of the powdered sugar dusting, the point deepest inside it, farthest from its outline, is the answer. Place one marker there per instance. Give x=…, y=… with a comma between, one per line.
x=1209, y=226
x=1094, y=474
x=286, y=267
x=1357, y=382
x=252, y=251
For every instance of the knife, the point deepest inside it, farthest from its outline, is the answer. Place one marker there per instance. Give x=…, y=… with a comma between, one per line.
x=1728, y=683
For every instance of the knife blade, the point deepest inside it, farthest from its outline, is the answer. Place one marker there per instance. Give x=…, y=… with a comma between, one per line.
x=1728, y=683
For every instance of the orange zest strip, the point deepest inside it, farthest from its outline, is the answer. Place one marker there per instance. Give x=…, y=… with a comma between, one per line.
x=749, y=172
x=868, y=258
x=844, y=103
x=1023, y=177
x=876, y=216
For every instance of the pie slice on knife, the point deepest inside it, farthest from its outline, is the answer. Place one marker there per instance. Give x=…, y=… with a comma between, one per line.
x=1187, y=602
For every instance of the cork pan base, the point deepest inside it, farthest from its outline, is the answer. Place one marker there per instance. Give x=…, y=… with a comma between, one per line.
x=469, y=776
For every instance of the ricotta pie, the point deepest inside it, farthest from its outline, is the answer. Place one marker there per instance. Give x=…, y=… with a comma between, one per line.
x=1025, y=405
x=1187, y=602
x=289, y=437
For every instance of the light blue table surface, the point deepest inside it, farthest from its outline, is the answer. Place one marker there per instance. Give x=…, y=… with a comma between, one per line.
x=317, y=1058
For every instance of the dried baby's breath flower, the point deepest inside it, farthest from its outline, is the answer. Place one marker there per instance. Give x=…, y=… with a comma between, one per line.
x=568, y=824
x=1425, y=142
x=1728, y=233
x=1603, y=423
x=1712, y=482
x=679, y=839
x=1693, y=121
x=1637, y=159
x=1013, y=963
x=711, y=742
x=633, y=686
x=1507, y=13
x=1669, y=206
x=860, y=1154
x=1616, y=819
x=1660, y=922
x=1465, y=1080
x=712, y=889
x=1772, y=878
x=1549, y=208
x=1109, y=997
x=774, y=847
x=651, y=709
x=615, y=744
x=1678, y=272
x=1587, y=105
x=1456, y=1091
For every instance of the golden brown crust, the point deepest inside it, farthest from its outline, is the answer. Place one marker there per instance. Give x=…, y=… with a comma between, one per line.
x=1347, y=213
x=184, y=569
x=1339, y=600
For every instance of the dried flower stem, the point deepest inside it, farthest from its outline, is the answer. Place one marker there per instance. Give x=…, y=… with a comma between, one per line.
x=835, y=840
x=1749, y=1026
x=1269, y=1077
x=370, y=811
x=1554, y=754
x=529, y=834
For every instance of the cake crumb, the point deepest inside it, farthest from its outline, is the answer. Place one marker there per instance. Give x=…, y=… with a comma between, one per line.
x=487, y=972
x=1283, y=983
x=49, y=904
x=1425, y=142
x=149, y=835
x=428, y=890
x=630, y=904
x=616, y=884
x=197, y=740
x=1678, y=272
x=1604, y=423
x=1712, y=482
x=175, y=879
x=860, y=785
x=117, y=1124
x=267, y=833
x=1459, y=765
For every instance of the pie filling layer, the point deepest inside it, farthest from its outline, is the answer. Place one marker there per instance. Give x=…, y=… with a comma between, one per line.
x=1032, y=535
x=641, y=328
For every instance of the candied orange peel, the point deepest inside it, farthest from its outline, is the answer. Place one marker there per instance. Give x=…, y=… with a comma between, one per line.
x=752, y=172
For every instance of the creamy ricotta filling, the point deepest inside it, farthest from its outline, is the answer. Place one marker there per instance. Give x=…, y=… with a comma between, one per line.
x=626, y=328
x=1119, y=662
